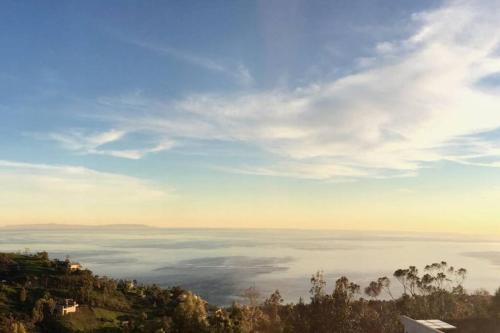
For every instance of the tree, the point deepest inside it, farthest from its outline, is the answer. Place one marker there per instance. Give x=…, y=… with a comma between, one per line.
x=317, y=290
x=343, y=319
x=44, y=307
x=272, y=304
x=373, y=289
x=190, y=315
x=495, y=304
x=252, y=313
x=43, y=255
x=252, y=295
x=220, y=322
x=17, y=327
x=23, y=295
x=271, y=308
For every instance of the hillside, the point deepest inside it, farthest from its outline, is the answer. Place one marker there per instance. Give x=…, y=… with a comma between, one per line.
x=33, y=287
x=36, y=291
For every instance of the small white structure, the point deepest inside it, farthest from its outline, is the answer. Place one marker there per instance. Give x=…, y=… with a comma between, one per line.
x=68, y=306
x=130, y=285
x=75, y=266
x=425, y=326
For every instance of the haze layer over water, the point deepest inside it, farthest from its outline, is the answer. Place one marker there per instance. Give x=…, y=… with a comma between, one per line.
x=220, y=263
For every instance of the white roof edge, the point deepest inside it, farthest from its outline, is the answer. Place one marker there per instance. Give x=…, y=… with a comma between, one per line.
x=404, y=318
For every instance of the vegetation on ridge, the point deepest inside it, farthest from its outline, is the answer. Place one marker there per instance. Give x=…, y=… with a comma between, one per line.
x=32, y=286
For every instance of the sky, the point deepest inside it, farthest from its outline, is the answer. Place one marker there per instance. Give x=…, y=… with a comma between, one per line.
x=360, y=115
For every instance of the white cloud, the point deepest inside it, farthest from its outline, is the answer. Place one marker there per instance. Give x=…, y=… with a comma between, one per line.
x=413, y=104
x=77, y=180
x=136, y=154
x=79, y=141
x=61, y=190
x=92, y=143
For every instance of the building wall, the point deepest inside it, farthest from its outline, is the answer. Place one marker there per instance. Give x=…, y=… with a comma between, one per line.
x=64, y=310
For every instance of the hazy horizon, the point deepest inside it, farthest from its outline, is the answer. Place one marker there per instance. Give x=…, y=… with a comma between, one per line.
x=418, y=235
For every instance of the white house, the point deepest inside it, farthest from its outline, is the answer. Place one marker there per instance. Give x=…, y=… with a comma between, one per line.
x=68, y=306
x=75, y=266
x=425, y=326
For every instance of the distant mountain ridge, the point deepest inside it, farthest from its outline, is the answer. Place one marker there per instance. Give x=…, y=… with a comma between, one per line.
x=49, y=226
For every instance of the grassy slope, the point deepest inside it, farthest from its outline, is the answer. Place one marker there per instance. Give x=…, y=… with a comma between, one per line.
x=87, y=319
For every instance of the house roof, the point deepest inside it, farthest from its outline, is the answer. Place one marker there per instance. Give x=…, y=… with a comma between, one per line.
x=427, y=325
x=437, y=324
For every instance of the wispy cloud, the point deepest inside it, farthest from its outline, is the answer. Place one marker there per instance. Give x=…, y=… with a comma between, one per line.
x=75, y=179
x=52, y=191
x=76, y=140
x=238, y=72
x=417, y=101
x=83, y=142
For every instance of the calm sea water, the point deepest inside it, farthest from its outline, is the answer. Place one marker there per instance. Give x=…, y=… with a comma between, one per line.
x=219, y=264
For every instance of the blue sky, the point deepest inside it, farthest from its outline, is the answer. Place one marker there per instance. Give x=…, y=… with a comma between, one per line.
x=59, y=62
x=214, y=106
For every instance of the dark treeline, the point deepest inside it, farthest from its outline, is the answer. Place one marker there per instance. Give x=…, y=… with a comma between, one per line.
x=32, y=286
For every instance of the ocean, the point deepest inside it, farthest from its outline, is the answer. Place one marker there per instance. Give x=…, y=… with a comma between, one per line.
x=219, y=264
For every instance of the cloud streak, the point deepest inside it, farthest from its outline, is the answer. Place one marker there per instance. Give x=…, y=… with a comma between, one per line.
x=418, y=101
x=237, y=72
x=92, y=143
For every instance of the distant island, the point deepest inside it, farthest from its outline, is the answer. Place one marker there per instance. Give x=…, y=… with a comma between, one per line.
x=39, y=294
x=61, y=226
